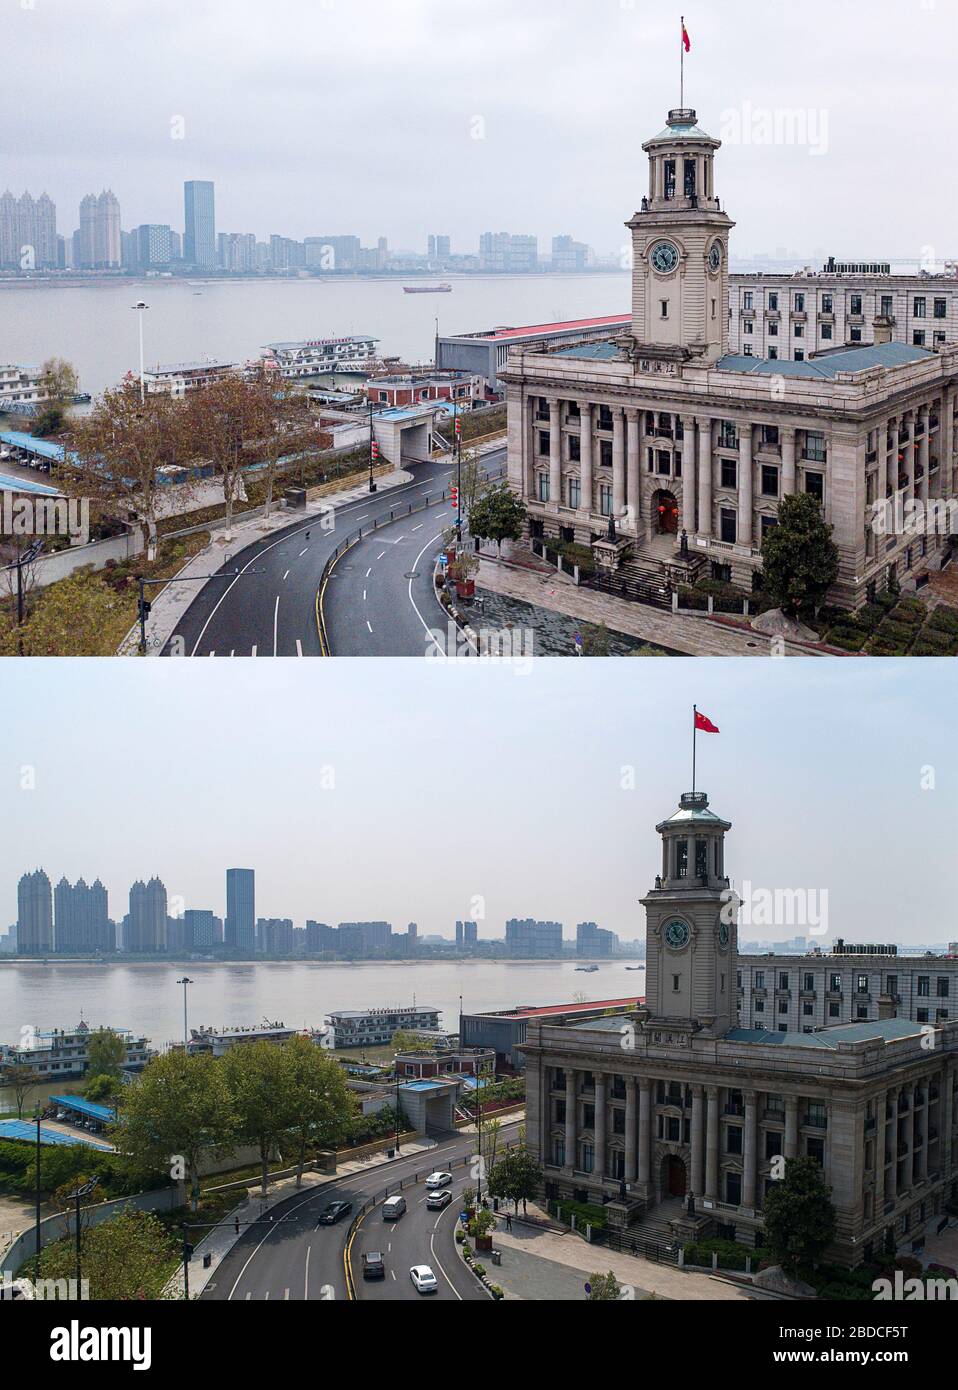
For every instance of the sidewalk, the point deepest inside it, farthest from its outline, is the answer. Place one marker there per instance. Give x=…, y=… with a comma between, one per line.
x=547, y=1265
x=253, y=1207
x=170, y=603
x=693, y=636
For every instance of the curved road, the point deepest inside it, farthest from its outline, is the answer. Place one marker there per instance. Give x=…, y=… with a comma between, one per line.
x=293, y=1258
x=270, y=609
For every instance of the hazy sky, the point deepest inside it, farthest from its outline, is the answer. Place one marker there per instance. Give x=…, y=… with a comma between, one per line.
x=331, y=116
x=460, y=782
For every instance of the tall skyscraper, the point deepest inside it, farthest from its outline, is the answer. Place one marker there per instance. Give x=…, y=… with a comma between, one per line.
x=99, y=245
x=34, y=913
x=199, y=928
x=146, y=926
x=28, y=232
x=199, y=241
x=240, y=909
x=81, y=918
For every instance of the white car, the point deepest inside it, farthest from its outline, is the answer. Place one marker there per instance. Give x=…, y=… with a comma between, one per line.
x=423, y=1278
x=438, y=1199
x=439, y=1180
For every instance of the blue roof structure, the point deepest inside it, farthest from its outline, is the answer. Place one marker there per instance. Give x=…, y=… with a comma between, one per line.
x=882, y=1030
x=26, y=485
x=827, y=367
x=594, y=352
x=16, y=439
x=23, y=1129
x=104, y=1113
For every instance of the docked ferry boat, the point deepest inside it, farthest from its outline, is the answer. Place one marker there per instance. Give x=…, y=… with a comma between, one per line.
x=317, y=357
x=64, y=1052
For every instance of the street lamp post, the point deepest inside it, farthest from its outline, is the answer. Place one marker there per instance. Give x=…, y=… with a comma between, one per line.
x=396, y=1065
x=38, y=1240
x=77, y=1196
x=373, y=448
x=457, y=435
x=139, y=306
x=186, y=1032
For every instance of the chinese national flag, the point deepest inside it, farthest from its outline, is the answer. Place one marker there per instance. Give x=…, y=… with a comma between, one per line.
x=686, y=41
x=703, y=724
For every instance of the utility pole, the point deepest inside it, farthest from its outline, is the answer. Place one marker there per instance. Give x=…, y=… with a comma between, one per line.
x=458, y=436
x=186, y=1032
x=81, y=1192
x=373, y=446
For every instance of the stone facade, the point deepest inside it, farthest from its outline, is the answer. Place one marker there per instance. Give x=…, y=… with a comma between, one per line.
x=664, y=431
x=671, y=1100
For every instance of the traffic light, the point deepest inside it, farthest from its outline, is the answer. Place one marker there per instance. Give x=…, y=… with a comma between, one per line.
x=145, y=607
x=458, y=427
x=454, y=497
x=375, y=451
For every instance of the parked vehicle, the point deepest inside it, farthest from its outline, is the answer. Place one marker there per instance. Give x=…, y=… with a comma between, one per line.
x=374, y=1266
x=438, y=1199
x=334, y=1212
x=393, y=1208
x=424, y=1279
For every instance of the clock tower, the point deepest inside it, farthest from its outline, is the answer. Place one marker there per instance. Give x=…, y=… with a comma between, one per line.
x=680, y=249
x=691, y=936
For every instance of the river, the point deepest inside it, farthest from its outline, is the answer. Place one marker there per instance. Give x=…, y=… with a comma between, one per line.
x=93, y=325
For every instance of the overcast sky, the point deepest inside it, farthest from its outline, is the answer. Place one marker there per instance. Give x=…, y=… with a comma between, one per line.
x=452, y=784
x=333, y=116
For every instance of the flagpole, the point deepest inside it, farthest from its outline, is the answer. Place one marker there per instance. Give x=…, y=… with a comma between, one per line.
x=682, y=79
x=694, y=713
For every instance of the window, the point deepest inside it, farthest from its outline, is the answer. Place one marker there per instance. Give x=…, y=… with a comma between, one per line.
x=826, y=304
x=941, y=308
x=808, y=1009
x=924, y=986
x=729, y=473
x=747, y=299
x=799, y=330
x=558, y=1152
x=773, y=1143
x=605, y=417
x=605, y=453
x=834, y=1010
x=835, y=984
x=808, y=982
x=799, y=354
x=664, y=308
x=733, y=1189
x=543, y=487
x=769, y=480
x=664, y=459
x=799, y=303
x=605, y=500
x=575, y=448
x=560, y=1112
x=815, y=485
x=773, y=354
x=773, y=301
x=861, y=984
x=783, y=1006
x=670, y=178
x=748, y=326
x=574, y=492
x=545, y=442
x=773, y=330
x=918, y=310
x=855, y=304
x=728, y=435
x=673, y=1129
x=826, y=332
x=815, y=1148
x=855, y=335
x=770, y=434
x=760, y=1006
x=747, y=350
x=728, y=521
x=942, y=986
x=733, y=1139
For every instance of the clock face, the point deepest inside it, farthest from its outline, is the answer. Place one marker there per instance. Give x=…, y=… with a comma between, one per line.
x=677, y=935
x=665, y=257
x=715, y=256
x=724, y=934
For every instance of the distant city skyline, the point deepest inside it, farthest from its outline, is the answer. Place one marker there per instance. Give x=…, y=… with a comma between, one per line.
x=555, y=86
x=478, y=793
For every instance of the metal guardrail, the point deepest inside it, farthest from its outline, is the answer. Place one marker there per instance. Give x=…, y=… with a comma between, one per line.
x=360, y=534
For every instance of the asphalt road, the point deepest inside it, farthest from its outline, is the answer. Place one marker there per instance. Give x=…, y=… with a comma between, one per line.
x=292, y=1258
x=270, y=609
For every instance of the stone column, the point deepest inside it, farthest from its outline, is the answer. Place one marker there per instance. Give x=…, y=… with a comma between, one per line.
x=698, y=1135
x=585, y=460
x=712, y=1146
x=630, y=1136
x=924, y=454
x=751, y=1142
x=745, y=485
x=947, y=437
x=570, y=1118
x=633, y=494
x=705, y=477
x=880, y=1122
x=891, y=466
x=618, y=463
x=688, y=474
x=645, y=1125
x=920, y=1170
x=791, y=1126
x=946, y=1111
x=600, y=1082
x=891, y=1181
x=787, y=436
x=555, y=453
x=910, y=454
x=530, y=435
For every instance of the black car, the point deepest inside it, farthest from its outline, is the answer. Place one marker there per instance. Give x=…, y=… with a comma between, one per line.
x=331, y=1214
x=374, y=1266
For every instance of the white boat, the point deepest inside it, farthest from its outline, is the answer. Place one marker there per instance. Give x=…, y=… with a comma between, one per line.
x=315, y=357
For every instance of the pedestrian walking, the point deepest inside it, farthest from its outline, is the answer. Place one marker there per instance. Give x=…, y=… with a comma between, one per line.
x=508, y=1221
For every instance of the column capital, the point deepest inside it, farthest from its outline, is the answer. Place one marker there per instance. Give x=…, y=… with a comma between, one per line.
x=698, y=1090
x=632, y=413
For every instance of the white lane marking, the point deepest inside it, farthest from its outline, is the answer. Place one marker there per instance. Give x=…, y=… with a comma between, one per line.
x=369, y=571
x=253, y=652
x=392, y=1273
x=379, y=557
x=419, y=527
x=361, y=518
x=415, y=566
x=276, y=625
x=286, y=1295
x=248, y=1297
x=299, y=647
x=436, y=1260
x=364, y=596
x=267, y=1295
x=285, y=576
x=233, y=652
x=212, y=653
x=369, y=625
x=306, y=1288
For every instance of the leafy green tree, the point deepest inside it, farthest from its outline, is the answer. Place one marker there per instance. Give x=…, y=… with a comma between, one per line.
x=129, y=1256
x=321, y=1104
x=105, y=1090
x=106, y=1053
x=799, y=1216
x=498, y=515
x=257, y=1076
x=799, y=557
x=178, y=1109
x=49, y=421
x=604, y=1288
x=58, y=381
x=517, y=1177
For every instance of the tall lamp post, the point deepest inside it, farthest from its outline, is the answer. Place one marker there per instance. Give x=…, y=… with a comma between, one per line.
x=77, y=1196
x=139, y=306
x=457, y=425
x=186, y=1032
x=373, y=448
x=38, y=1240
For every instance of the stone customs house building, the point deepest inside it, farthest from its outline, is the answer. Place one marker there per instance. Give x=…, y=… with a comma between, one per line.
x=675, y=1099
x=661, y=430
